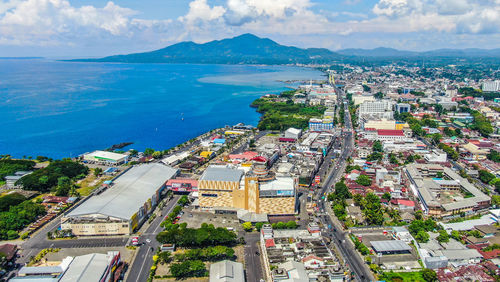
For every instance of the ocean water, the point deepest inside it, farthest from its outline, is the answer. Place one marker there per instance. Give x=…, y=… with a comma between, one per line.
x=64, y=109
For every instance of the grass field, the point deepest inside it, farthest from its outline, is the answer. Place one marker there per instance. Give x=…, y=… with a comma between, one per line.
x=401, y=276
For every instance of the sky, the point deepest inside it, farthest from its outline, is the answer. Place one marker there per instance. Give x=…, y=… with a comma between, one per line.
x=91, y=28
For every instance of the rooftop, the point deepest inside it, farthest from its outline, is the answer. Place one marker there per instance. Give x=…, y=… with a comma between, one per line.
x=213, y=173
x=106, y=155
x=390, y=246
x=226, y=271
x=129, y=192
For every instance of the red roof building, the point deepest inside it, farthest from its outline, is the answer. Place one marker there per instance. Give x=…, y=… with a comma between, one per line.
x=270, y=243
x=390, y=132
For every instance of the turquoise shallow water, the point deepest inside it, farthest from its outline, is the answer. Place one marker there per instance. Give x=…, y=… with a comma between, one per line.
x=63, y=109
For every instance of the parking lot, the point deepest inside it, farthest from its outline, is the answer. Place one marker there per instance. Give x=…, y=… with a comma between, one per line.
x=125, y=254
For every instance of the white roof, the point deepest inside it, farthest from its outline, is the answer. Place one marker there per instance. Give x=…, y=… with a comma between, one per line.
x=106, y=155
x=129, y=192
x=89, y=267
x=294, y=130
x=280, y=183
x=226, y=271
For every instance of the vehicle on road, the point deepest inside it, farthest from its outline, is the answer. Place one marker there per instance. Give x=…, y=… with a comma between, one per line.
x=135, y=241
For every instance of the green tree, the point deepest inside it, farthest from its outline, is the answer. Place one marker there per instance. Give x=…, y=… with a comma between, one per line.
x=486, y=176
x=97, y=171
x=386, y=196
x=165, y=257
x=373, y=210
x=455, y=235
x=436, y=138
x=377, y=146
x=157, y=154
x=64, y=185
x=494, y=156
x=422, y=236
x=148, y=151
x=443, y=237
x=364, y=180
x=429, y=275
x=341, y=191
x=259, y=225
x=247, y=226
x=291, y=224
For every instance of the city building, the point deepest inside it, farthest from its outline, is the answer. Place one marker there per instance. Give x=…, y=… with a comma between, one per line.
x=10, y=180
x=223, y=189
x=105, y=157
x=442, y=192
x=293, y=133
x=90, y=267
x=227, y=271
x=122, y=207
x=491, y=86
x=403, y=108
x=316, y=124
x=381, y=109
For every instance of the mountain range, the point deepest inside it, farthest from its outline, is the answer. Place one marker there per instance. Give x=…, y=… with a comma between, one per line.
x=250, y=49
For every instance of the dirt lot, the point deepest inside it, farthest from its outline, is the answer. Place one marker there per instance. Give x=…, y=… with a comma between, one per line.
x=194, y=219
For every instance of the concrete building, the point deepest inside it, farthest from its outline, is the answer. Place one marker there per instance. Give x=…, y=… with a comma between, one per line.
x=380, y=124
x=491, y=86
x=403, y=108
x=227, y=271
x=10, y=180
x=105, y=157
x=376, y=110
x=390, y=247
x=90, y=267
x=293, y=133
x=316, y=124
x=446, y=196
x=360, y=99
x=223, y=189
x=124, y=206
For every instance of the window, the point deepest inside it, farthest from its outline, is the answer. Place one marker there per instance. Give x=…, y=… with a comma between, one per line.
x=209, y=195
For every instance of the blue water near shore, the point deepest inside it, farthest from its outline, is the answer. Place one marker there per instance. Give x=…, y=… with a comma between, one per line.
x=63, y=109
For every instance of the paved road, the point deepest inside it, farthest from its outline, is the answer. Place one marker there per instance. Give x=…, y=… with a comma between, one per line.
x=252, y=259
x=139, y=270
x=337, y=235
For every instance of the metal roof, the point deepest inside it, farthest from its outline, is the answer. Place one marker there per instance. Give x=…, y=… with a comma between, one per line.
x=213, y=173
x=226, y=271
x=390, y=246
x=89, y=267
x=129, y=192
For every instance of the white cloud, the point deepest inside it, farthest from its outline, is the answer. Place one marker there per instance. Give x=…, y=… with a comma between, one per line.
x=58, y=22
x=199, y=10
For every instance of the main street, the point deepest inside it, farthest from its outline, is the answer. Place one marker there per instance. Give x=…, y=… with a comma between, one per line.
x=356, y=264
x=139, y=270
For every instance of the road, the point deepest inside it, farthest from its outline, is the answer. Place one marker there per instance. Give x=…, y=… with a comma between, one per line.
x=252, y=257
x=139, y=270
x=337, y=235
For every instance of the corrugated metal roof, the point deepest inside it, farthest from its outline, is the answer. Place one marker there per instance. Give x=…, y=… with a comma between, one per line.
x=213, y=173
x=390, y=246
x=129, y=192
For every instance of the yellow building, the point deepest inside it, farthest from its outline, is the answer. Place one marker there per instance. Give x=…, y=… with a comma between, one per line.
x=222, y=188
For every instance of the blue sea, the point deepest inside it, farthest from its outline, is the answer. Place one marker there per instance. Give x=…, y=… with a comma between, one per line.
x=63, y=109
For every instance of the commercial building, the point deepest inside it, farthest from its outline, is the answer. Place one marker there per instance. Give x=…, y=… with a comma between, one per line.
x=223, y=189
x=380, y=124
x=403, y=108
x=444, y=196
x=390, y=247
x=376, y=110
x=90, y=267
x=316, y=124
x=121, y=208
x=227, y=271
x=491, y=86
x=293, y=133
x=105, y=157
